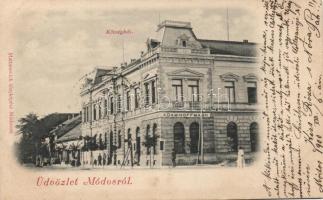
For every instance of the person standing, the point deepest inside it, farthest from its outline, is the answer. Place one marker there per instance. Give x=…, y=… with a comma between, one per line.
x=241, y=159
x=100, y=159
x=104, y=158
x=174, y=158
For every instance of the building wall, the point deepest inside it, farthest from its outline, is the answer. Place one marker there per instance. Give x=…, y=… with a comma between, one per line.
x=163, y=64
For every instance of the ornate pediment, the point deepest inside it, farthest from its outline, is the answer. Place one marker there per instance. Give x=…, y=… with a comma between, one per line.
x=250, y=77
x=229, y=77
x=184, y=37
x=185, y=73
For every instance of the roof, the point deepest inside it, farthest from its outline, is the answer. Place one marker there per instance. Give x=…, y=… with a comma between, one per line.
x=231, y=47
x=72, y=134
x=66, y=126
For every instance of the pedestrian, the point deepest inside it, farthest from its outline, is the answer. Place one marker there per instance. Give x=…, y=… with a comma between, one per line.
x=240, y=159
x=100, y=159
x=174, y=158
x=104, y=158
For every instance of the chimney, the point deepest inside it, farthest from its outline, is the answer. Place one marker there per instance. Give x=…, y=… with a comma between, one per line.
x=123, y=65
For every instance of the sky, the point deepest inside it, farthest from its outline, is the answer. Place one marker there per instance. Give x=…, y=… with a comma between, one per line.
x=54, y=49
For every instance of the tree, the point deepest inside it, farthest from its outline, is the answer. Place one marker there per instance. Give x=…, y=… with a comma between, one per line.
x=32, y=131
x=28, y=127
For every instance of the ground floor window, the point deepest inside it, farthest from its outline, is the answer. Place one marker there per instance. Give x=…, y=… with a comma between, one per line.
x=194, y=135
x=254, y=136
x=232, y=133
x=155, y=138
x=179, y=137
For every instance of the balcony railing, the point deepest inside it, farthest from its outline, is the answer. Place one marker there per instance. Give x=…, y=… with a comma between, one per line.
x=196, y=105
x=184, y=50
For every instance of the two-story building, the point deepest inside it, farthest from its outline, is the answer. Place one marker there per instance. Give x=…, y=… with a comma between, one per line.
x=193, y=96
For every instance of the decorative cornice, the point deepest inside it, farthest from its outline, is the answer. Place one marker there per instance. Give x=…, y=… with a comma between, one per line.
x=250, y=77
x=229, y=77
x=185, y=72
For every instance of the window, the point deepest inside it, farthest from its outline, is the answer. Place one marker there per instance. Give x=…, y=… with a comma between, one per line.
x=119, y=103
x=254, y=136
x=147, y=135
x=232, y=134
x=119, y=139
x=100, y=114
x=153, y=91
x=193, y=90
x=136, y=97
x=105, y=107
x=147, y=94
x=94, y=112
x=84, y=114
x=177, y=86
x=179, y=137
x=111, y=105
x=128, y=101
x=252, y=92
x=184, y=43
x=105, y=140
x=194, y=135
x=111, y=142
x=229, y=88
x=87, y=113
x=155, y=138
x=161, y=145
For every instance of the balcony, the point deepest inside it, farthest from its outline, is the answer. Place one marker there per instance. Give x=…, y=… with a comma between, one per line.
x=195, y=105
x=184, y=50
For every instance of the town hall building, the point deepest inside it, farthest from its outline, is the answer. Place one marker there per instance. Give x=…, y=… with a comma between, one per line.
x=191, y=96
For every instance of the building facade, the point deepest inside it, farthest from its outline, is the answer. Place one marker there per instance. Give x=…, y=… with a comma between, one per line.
x=195, y=97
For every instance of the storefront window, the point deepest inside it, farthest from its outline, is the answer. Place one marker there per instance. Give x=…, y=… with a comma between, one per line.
x=254, y=136
x=194, y=135
x=179, y=138
x=232, y=133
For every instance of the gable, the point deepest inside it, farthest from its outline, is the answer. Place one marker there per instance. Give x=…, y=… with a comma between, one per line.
x=172, y=36
x=250, y=77
x=185, y=73
x=229, y=77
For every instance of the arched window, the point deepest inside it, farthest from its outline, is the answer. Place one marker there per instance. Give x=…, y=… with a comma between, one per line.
x=155, y=137
x=254, y=136
x=194, y=135
x=111, y=142
x=105, y=140
x=232, y=133
x=179, y=137
x=147, y=135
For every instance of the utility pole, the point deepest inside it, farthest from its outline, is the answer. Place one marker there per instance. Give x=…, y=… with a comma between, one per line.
x=91, y=115
x=114, y=118
x=202, y=135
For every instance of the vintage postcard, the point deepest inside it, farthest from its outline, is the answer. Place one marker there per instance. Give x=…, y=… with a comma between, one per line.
x=161, y=99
